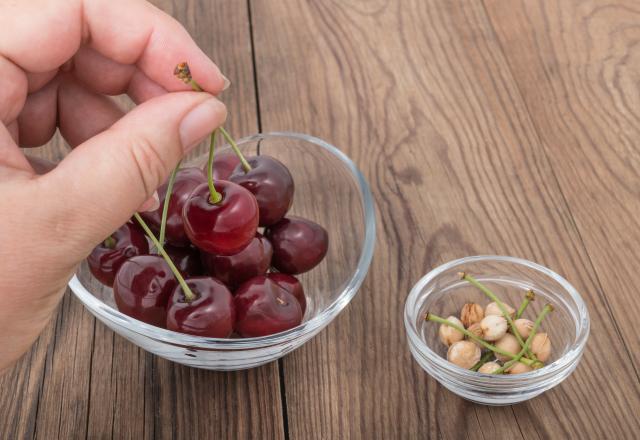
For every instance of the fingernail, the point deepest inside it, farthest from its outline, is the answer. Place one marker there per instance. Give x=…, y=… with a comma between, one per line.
x=199, y=122
x=227, y=83
x=151, y=204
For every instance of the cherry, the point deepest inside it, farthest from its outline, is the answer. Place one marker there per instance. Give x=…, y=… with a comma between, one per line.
x=264, y=308
x=223, y=165
x=186, y=180
x=211, y=313
x=106, y=258
x=186, y=259
x=225, y=227
x=272, y=184
x=142, y=288
x=233, y=270
x=292, y=285
x=298, y=244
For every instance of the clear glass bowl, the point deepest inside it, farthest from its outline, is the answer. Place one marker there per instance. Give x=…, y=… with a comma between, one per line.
x=329, y=190
x=443, y=293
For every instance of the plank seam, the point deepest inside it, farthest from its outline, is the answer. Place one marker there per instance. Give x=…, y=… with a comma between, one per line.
x=93, y=343
x=536, y=132
x=254, y=65
x=283, y=392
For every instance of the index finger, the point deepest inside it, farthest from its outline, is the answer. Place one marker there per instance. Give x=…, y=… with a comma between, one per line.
x=41, y=35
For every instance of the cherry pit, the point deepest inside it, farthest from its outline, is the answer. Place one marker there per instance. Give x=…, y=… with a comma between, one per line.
x=221, y=255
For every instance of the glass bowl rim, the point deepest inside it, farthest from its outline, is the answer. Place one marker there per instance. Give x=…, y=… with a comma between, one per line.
x=569, y=358
x=308, y=327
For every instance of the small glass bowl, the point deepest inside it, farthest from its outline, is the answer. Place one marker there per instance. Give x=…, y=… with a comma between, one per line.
x=443, y=293
x=329, y=190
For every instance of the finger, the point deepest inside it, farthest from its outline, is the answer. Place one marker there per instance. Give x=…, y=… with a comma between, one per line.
x=13, y=90
x=40, y=35
x=14, y=131
x=151, y=204
x=39, y=80
x=142, y=89
x=75, y=102
x=126, y=31
x=11, y=158
x=108, y=77
x=135, y=32
x=37, y=120
x=109, y=177
x=100, y=73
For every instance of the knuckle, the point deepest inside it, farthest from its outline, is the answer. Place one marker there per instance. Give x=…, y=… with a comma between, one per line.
x=13, y=98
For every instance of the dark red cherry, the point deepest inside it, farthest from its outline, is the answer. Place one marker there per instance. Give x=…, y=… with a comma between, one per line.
x=186, y=180
x=298, y=244
x=211, y=313
x=235, y=269
x=142, y=288
x=186, y=259
x=223, y=166
x=292, y=285
x=271, y=182
x=106, y=258
x=223, y=228
x=264, y=308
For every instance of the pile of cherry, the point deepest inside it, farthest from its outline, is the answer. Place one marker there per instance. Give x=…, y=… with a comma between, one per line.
x=216, y=275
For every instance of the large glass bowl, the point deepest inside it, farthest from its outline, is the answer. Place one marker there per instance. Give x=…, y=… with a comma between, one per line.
x=329, y=190
x=443, y=293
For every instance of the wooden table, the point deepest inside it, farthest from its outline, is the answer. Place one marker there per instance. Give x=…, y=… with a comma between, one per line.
x=497, y=126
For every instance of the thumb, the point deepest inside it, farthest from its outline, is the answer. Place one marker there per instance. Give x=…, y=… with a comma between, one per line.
x=102, y=182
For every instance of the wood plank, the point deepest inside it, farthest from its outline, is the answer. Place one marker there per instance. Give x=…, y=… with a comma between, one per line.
x=80, y=380
x=22, y=388
x=180, y=402
x=576, y=64
x=420, y=95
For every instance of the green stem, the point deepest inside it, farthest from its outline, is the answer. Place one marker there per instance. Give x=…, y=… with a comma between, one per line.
x=188, y=294
x=165, y=208
x=530, y=296
x=183, y=73
x=488, y=355
x=500, y=304
x=547, y=309
x=438, y=319
x=214, y=196
x=236, y=150
x=110, y=242
x=195, y=86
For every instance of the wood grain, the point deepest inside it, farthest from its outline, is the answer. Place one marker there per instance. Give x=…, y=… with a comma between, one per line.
x=81, y=380
x=577, y=66
x=421, y=96
x=506, y=127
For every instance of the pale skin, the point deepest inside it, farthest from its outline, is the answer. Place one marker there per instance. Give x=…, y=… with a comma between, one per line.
x=58, y=61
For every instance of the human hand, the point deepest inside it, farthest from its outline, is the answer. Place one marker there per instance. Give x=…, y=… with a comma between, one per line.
x=58, y=58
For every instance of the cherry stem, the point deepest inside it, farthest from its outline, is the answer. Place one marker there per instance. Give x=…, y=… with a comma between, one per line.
x=530, y=296
x=500, y=305
x=438, y=319
x=195, y=86
x=165, y=207
x=482, y=360
x=110, y=242
x=214, y=196
x=188, y=294
x=234, y=147
x=547, y=309
x=183, y=73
